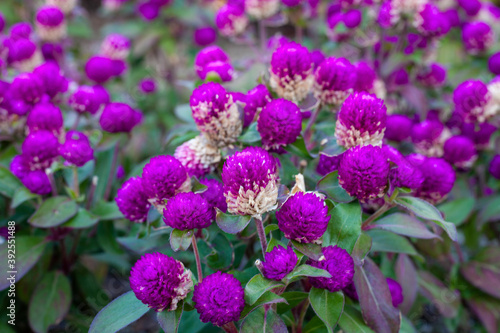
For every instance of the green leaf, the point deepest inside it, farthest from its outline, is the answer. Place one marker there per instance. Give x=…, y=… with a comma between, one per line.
x=107, y=211
x=457, y=211
x=222, y=255
x=183, y=112
x=232, y=224
x=118, y=314
x=446, y=300
x=103, y=165
x=304, y=271
x=403, y=224
x=268, y=298
x=352, y=322
x=270, y=228
x=293, y=299
x=180, y=239
x=361, y=248
x=257, y=286
x=328, y=306
x=83, y=219
x=344, y=227
x=29, y=249
x=484, y=271
x=299, y=148
x=21, y=195
x=385, y=241
x=251, y=135
x=257, y=320
x=50, y=302
x=8, y=182
x=169, y=320
x=427, y=211
x=106, y=237
x=53, y=212
x=311, y=250
x=329, y=185
x=197, y=187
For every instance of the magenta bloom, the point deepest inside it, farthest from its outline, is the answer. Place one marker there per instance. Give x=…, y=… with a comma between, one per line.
x=159, y=281
x=398, y=127
x=317, y=57
x=116, y=46
x=429, y=137
x=494, y=63
x=41, y=148
x=303, y=217
x=473, y=101
x=219, y=299
x=279, y=124
x=85, y=99
x=100, y=69
x=54, y=81
x=205, y=36
x=223, y=70
x=35, y=180
x=278, y=263
x=352, y=18
x=477, y=37
x=20, y=30
x=481, y=134
x=231, y=20
x=119, y=117
x=23, y=54
x=396, y=292
x=364, y=172
x=256, y=99
x=339, y=264
x=188, y=211
x=433, y=76
x=147, y=86
x=430, y=22
x=132, y=200
x=495, y=167
x=208, y=55
x=460, y=151
x=214, y=194
x=28, y=88
x=45, y=116
x=76, y=149
x=365, y=78
x=403, y=174
x=50, y=23
x=198, y=156
x=334, y=80
x=291, y=3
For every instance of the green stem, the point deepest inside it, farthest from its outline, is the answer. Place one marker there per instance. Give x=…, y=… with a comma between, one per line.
x=375, y=215
x=76, y=184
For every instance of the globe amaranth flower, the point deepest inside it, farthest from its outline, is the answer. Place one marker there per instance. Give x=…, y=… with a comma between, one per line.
x=45, y=116
x=471, y=7
x=27, y=87
x=328, y=163
x=474, y=101
x=115, y=46
x=54, y=81
x=494, y=63
x=188, y=211
x=41, y=148
x=24, y=55
x=256, y=99
x=204, y=36
x=317, y=57
x=460, y=151
x=396, y=292
x=215, y=114
x=303, y=217
x=52, y=51
x=494, y=168
x=402, y=173
x=50, y=23
x=207, y=55
x=398, y=127
x=477, y=37
x=65, y=5
x=430, y=22
x=432, y=76
x=219, y=299
x=21, y=30
x=388, y=14
x=159, y=281
x=147, y=85
x=429, y=137
x=276, y=41
x=361, y=121
x=76, y=149
x=119, y=117
x=278, y=263
x=250, y=180
x=291, y=72
x=479, y=134
x=352, y=18
x=279, y=124
x=365, y=77
x=214, y=194
x=100, y=69
x=198, y=156
x=35, y=180
x=261, y=9
x=85, y=99
x=339, y=264
x=334, y=80
x=231, y=20
x=132, y=200
x=363, y=172
x=221, y=70
x=163, y=177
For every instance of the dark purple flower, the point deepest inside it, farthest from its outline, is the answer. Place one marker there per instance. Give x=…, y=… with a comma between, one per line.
x=429, y=137
x=214, y=194
x=477, y=37
x=495, y=167
x=396, y=292
x=198, y=156
x=50, y=23
x=317, y=57
x=118, y=67
x=471, y=7
x=351, y=292
x=132, y=200
x=256, y=99
x=188, y=211
x=52, y=51
x=76, y=149
x=291, y=3
x=432, y=76
x=28, y=88
x=119, y=117
x=41, y=148
x=159, y=281
x=398, y=127
x=261, y=9
x=399, y=77
x=231, y=20
x=54, y=81
x=208, y=55
x=473, y=101
x=20, y=30
x=365, y=78
x=460, y=151
x=120, y=172
x=479, y=133
x=149, y=10
x=205, y=36
x=250, y=180
x=147, y=85
x=99, y=69
x=45, y=116
x=278, y=263
x=219, y=299
x=303, y=217
x=339, y=264
x=115, y=46
x=403, y=173
x=430, y=22
x=222, y=70
x=494, y=63
x=37, y=182
x=352, y=18
x=334, y=80
x=327, y=164
x=85, y=99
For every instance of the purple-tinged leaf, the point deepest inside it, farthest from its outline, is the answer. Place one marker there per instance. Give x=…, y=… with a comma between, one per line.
x=361, y=249
x=310, y=250
x=407, y=277
x=169, y=320
x=484, y=271
x=263, y=321
x=403, y=224
x=268, y=298
x=232, y=224
x=488, y=311
x=447, y=301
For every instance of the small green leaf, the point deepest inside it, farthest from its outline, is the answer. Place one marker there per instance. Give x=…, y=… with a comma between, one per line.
x=8, y=182
x=21, y=195
x=180, y=239
x=268, y=298
x=344, y=227
x=197, y=187
x=352, y=322
x=169, y=320
x=107, y=211
x=257, y=286
x=385, y=241
x=293, y=299
x=232, y=224
x=361, y=248
x=222, y=255
x=328, y=306
x=403, y=224
x=457, y=211
x=270, y=228
x=311, y=250
x=299, y=148
x=251, y=135
x=83, y=219
x=304, y=271
x=329, y=185
x=53, y=212
x=260, y=319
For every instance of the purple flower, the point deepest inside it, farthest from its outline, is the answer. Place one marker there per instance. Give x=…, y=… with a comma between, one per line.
x=403, y=174
x=223, y=70
x=471, y=7
x=35, y=180
x=430, y=22
x=317, y=57
x=54, y=81
x=473, y=100
x=365, y=78
x=231, y=20
x=76, y=149
x=119, y=117
x=291, y=72
x=494, y=63
x=52, y=52
x=352, y=18
x=50, y=23
x=219, y=299
x=41, y=148
x=147, y=85
x=363, y=172
x=214, y=194
x=261, y=9
x=159, y=281
x=429, y=137
x=276, y=41
x=278, y=263
x=163, y=177
x=198, y=156
x=188, y=211
x=101, y=95
x=396, y=292
x=334, y=80
x=256, y=99
x=279, y=124
x=115, y=46
x=99, y=69
x=460, y=151
x=20, y=30
x=477, y=37
x=303, y=217
x=388, y=16
x=208, y=55
x=28, y=88
x=432, y=76
x=495, y=167
x=398, y=127
x=149, y=10
x=480, y=134
x=205, y=36
x=45, y=116
x=120, y=172
x=23, y=55
x=339, y=264
x=327, y=163
x=250, y=180
x=85, y=99
x=291, y=3
x=132, y=200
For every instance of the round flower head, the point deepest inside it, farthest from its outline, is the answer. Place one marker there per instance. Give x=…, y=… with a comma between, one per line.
x=219, y=299
x=21, y=30
x=471, y=7
x=85, y=99
x=460, y=151
x=205, y=36
x=198, y=156
x=54, y=81
x=403, y=174
x=20, y=166
x=119, y=117
x=149, y=10
x=361, y=121
x=102, y=96
x=99, y=69
x=303, y=217
x=208, y=55
x=222, y=70
x=363, y=172
x=163, y=177
x=495, y=167
x=132, y=201
x=50, y=23
x=429, y=137
x=45, y=116
x=147, y=86
x=76, y=149
x=214, y=194
x=473, y=100
x=279, y=124
x=41, y=149
x=24, y=55
x=433, y=76
x=388, y=15
x=398, y=127
x=159, y=281
x=231, y=20
x=250, y=180
x=115, y=46
x=430, y=22
x=278, y=263
x=317, y=57
x=480, y=135
x=396, y=292
x=334, y=80
x=494, y=63
x=291, y=72
x=477, y=37
x=276, y=41
x=28, y=88
x=37, y=182
x=256, y=99
x=188, y=211
x=215, y=114
x=65, y=5
x=339, y=264
x=365, y=78
x=261, y=9
x=352, y=18
x=52, y=52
